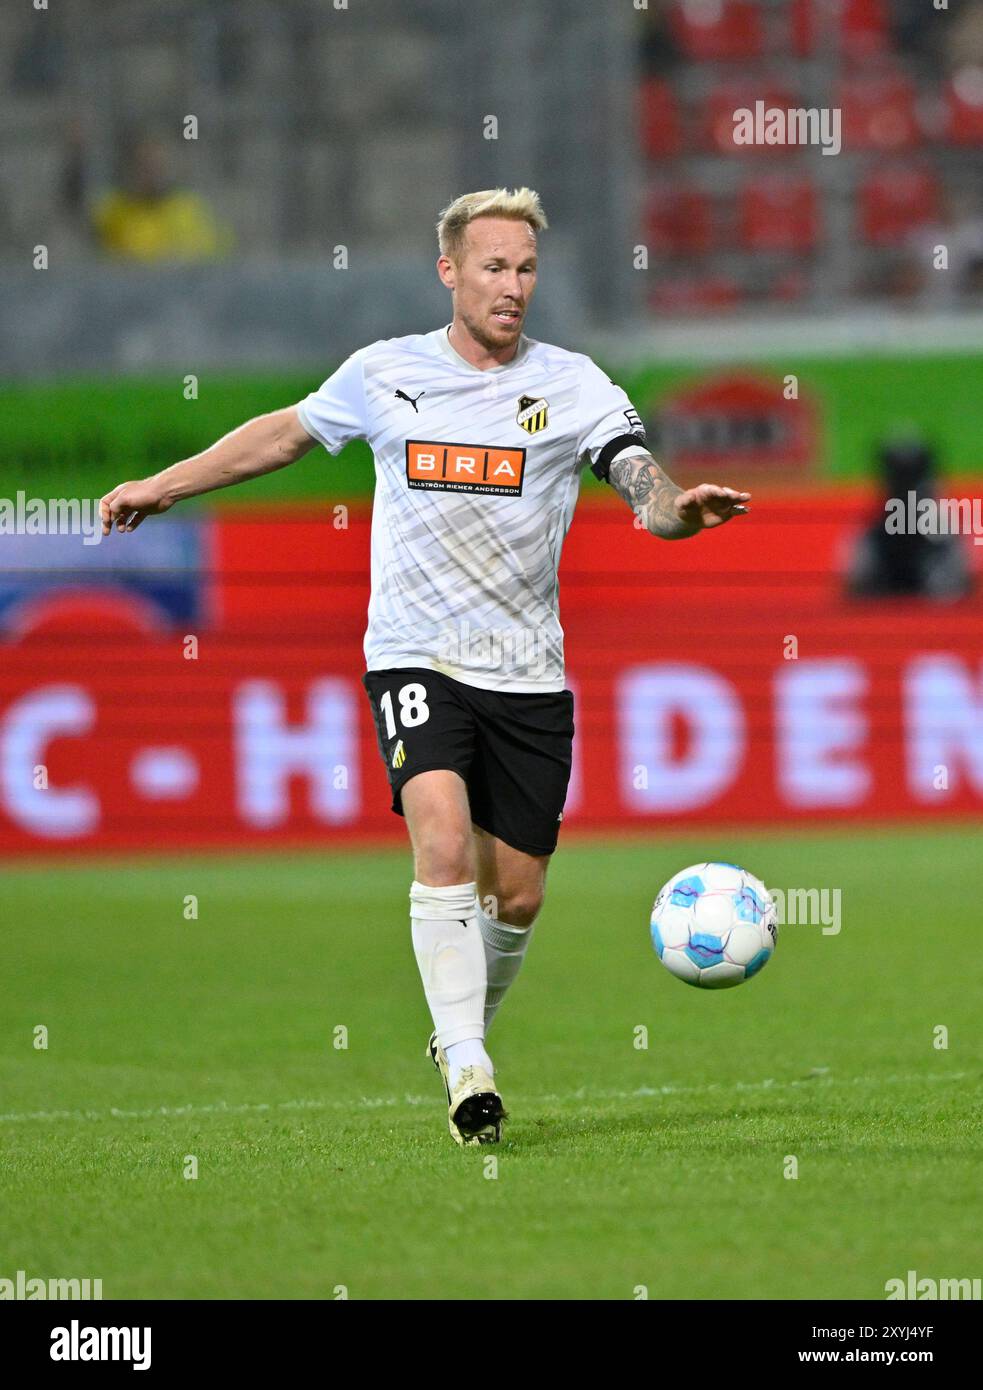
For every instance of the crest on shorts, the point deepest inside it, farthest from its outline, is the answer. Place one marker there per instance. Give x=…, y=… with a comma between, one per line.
x=399, y=754
x=533, y=414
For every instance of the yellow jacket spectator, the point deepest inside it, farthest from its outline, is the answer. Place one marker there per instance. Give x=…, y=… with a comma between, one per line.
x=151, y=220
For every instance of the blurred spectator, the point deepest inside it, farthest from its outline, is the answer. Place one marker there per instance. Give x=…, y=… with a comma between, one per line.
x=660, y=53
x=37, y=63
x=960, y=231
x=150, y=218
x=921, y=31
x=964, y=36
x=73, y=170
x=885, y=564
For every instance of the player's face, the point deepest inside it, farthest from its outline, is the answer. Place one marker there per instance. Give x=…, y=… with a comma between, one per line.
x=495, y=279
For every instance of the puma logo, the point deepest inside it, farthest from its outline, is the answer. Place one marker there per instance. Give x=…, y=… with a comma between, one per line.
x=411, y=400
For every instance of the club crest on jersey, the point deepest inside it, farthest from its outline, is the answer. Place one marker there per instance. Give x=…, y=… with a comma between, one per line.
x=533, y=414
x=475, y=468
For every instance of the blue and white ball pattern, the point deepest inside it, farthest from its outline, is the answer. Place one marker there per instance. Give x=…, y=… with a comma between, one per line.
x=714, y=925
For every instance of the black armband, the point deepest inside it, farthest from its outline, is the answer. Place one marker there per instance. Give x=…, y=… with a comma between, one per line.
x=612, y=448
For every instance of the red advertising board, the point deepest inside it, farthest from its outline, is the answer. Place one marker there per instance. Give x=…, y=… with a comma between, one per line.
x=737, y=425
x=724, y=679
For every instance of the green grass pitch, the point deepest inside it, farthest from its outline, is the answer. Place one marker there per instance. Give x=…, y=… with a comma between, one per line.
x=321, y=1168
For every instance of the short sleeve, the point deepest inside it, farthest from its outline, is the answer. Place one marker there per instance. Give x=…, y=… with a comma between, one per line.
x=606, y=414
x=335, y=412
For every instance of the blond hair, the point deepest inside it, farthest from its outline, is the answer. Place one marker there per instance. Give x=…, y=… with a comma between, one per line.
x=522, y=204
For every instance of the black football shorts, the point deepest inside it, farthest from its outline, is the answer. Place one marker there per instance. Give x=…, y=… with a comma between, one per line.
x=513, y=751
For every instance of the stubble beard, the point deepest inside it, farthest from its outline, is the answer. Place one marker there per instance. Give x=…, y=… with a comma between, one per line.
x=485, y=339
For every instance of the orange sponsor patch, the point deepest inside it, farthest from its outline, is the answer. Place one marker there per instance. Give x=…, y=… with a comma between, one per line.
x=443, y=467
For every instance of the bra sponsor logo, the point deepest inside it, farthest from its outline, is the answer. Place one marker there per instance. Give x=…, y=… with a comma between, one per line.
x=440, y=467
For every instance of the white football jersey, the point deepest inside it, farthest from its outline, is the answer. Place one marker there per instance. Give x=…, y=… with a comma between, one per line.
x=477, y=475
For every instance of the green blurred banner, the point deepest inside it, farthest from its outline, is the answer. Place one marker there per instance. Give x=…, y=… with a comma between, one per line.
x=799, y=421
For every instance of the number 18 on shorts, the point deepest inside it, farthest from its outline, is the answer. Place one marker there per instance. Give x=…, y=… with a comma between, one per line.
x=513, y=751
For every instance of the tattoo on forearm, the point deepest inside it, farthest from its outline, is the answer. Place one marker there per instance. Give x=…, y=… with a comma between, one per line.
x=649, y=493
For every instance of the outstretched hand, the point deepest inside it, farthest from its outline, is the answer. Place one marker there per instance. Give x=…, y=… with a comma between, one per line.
x=708, y=505
x=129, y=503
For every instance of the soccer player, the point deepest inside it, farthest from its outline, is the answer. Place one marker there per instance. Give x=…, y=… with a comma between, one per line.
x=480, y=434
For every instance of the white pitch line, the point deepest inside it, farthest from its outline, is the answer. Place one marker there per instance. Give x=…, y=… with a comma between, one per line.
x=585, y=1093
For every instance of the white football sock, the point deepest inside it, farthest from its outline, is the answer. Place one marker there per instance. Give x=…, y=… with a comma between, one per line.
x=451, y=956
x=469, y=1053
x=505, y=948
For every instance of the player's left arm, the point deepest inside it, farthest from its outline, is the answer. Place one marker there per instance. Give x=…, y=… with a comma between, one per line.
x=667, y=510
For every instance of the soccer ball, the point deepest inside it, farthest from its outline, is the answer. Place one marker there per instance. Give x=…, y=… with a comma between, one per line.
x=714, y=925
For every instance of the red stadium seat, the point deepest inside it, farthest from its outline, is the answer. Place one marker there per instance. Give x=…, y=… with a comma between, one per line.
x=964, y=107
x=728, y=97
x=659, y=120
x=879, y=113
x=802, y=19
x=788, y=286
x=712, y=31
x=857, y=28
x=895, y=201
x=710, y=294
x=863, y=26
x=779, y=214
x=679, y=221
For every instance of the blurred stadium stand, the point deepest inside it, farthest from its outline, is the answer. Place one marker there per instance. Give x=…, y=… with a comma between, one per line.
x=908, y=79
x=321, y=128
x=318, y=128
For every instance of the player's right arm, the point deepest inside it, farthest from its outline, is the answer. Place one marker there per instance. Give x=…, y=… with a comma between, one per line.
x=668, y=510
x=617, y=455
x=260, y=446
